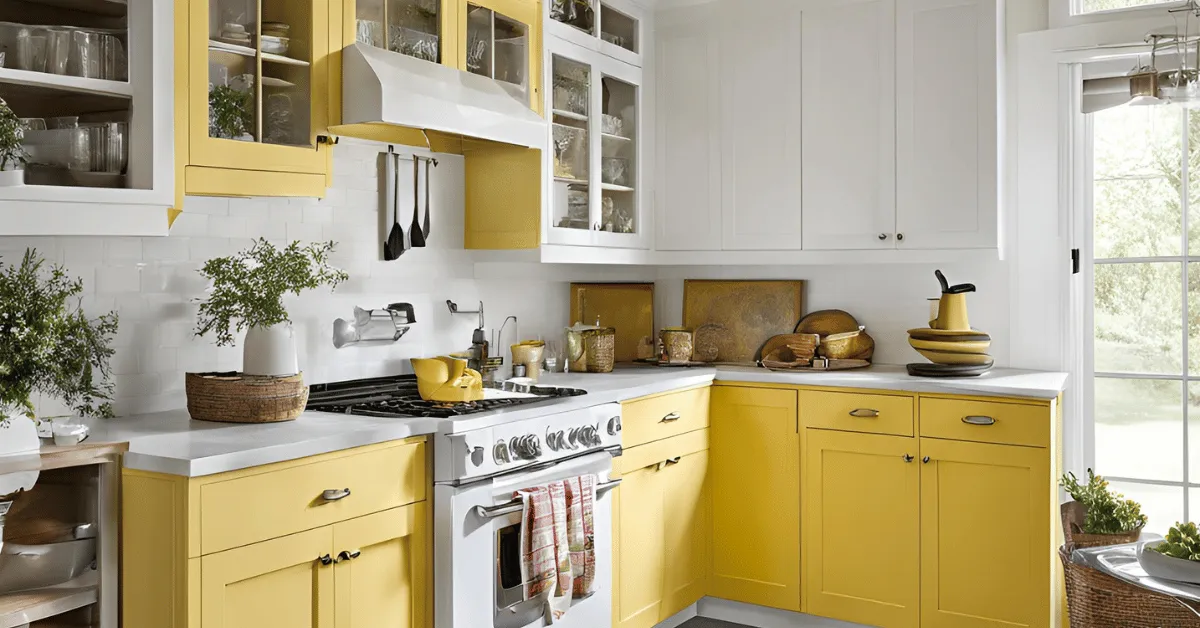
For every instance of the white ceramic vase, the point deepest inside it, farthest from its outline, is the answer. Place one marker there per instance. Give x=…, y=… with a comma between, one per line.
x=11, y=178
x=18, y=435
x=270, y=351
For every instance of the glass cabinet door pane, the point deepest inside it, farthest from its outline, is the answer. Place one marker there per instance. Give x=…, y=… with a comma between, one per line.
x=414, y=27
x=570, y=195
x=618, y=29
x=512, y=56
x=618, y=150
x=369, y=20
x=285, y=45
x=577, y=13
x=479, y=40
x=233, y=70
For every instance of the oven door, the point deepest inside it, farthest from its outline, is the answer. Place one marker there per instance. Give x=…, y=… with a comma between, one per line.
x=478, y=568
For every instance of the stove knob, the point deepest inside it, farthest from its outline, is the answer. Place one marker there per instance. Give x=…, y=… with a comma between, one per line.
x=535, y=447
x=500, y=453
x=555, y=440
x=527, y=447
x=573, y=441
x=614, y=426
x=588, y=436
x=477, y=456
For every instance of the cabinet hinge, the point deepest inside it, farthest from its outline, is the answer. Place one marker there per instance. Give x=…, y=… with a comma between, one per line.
x=1074, y=261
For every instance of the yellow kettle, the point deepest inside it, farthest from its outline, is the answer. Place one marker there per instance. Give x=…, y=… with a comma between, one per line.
x=447, y=380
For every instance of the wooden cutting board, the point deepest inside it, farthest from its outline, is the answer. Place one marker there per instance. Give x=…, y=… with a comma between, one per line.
x=626, y=307
x=750, y=311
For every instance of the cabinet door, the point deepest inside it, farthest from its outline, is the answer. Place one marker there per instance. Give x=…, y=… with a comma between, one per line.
x=861, y=528
x=755, y=474
x=641, y=548
x=849, y=177
x=383, y=569
x=946, y=130
x=986, y=554
x=502, y=40
x=686, y=538
x=688, y=205
x=424, y=29
x=280, y=582
x=760, y=125
x=257, y=88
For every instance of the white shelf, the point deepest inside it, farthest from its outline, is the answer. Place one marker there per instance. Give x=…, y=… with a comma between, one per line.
x=613, y=187
x=74, y=84
x=18, y=609
x=570, y=181
x=570, y=115
x=618, y=138
x=246, y=51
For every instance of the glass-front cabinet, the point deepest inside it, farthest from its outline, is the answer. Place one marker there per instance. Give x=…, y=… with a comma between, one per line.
x=501, y=39
x=424, y=29
x=257, y=97
x=595, y=157
x=612, y=27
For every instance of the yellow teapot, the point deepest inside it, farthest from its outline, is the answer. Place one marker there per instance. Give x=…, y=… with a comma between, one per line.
x=447, y=380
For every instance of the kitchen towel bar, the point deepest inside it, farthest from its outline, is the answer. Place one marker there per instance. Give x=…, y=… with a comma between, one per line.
x=516, y=505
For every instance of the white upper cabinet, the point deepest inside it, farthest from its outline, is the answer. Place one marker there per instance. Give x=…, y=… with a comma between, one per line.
x=849, y=125
x=687, y=77
x=760, y=122
x=946, y=129
x=615, y=28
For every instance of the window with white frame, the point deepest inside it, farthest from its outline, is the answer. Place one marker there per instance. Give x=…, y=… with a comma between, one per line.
x=1095, y=6
x=1145, y=351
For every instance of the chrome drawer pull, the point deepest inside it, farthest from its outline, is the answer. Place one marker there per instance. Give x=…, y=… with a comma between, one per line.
x=349, y=555
x=864, y=413
x=326, y=559
x=516, y=505
x=605, y=487
x=908, y=457
x=334, y=494
x=979, y=420
x=670, y=418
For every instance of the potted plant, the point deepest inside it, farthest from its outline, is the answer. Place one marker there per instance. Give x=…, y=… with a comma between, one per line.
x=1176, y=557
x=247, y=294
x=231, y=113
x=12, y=154
x=48, y=345
x=1098, y=515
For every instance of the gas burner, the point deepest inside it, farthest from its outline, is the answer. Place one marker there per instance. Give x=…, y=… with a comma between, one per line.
x=397, y=396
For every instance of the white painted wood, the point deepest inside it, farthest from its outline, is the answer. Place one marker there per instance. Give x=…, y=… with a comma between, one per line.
x=555, y=190
x=688, y=194
x=66, y=83
x=760, y=127
x=946, y=124
x=556, y=254
x=849, y=125
x=633, y=10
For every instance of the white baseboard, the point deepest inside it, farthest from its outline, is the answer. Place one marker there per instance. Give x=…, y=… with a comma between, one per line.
x=751, y=615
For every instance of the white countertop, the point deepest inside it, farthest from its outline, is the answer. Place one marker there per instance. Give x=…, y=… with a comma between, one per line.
x=171, y=443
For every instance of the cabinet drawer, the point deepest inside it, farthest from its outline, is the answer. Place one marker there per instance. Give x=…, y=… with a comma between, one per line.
x=653, y=418
x=251, y=508
x=986, y=421
x=857, y=412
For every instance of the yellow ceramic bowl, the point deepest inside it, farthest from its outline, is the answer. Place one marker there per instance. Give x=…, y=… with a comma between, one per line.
x=943, y=357
x=971, y=346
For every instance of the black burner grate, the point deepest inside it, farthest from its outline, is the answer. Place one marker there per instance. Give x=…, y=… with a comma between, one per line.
x=397, y=396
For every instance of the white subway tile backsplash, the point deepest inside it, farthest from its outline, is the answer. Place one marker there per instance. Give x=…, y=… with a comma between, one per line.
x=212, y=205
x=165, y=249
x=118, y=279
x=227, y=227
x=121, y=249
x=305, y=232
x=189, y=224
x=139, y=385
x=318, y=214
x=280, y=211
x=80, y=250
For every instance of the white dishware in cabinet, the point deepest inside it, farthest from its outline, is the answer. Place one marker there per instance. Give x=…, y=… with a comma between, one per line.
x=614, y=28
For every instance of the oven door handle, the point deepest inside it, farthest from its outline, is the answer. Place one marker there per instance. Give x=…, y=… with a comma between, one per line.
x=516, y=505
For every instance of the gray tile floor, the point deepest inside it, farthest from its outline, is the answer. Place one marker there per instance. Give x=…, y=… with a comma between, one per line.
x=704, y=622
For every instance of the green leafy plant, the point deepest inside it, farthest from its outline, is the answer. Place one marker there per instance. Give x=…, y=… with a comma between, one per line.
x=48, y=344
x=248, y=287
x=1183, y=541
x=12, y=154
x=1108, y=512
x=230, y=112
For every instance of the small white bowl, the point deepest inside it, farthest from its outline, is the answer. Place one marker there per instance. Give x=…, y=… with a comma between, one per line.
x=1167, y=567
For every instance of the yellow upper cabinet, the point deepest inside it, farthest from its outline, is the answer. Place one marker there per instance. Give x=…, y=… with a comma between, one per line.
x=256, y=97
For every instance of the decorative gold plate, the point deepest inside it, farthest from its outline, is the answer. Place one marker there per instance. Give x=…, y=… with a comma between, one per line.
x=751, y=312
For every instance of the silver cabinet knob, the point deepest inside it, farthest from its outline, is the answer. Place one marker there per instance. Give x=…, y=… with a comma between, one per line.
x=326, y=559
x=349, y=555
x=900, y=236
x=614, y=426
x=883, y=236
x=908, y=457
x=500, y=453
x=334, y=494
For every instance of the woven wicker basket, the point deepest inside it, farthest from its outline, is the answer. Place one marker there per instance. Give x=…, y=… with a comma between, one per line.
x=599, y=351
x=1098, y=600
x=237, y=398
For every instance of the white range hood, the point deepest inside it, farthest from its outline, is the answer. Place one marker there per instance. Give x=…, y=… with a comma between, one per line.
x=379, y=86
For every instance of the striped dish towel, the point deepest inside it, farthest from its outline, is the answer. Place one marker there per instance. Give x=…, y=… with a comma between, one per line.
x=539, y=567
x=558, y=542
x=581, y=532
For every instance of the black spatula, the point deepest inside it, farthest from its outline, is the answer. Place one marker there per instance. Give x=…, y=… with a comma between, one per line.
x=393, y=247
x=415, y=232
x=425, y=226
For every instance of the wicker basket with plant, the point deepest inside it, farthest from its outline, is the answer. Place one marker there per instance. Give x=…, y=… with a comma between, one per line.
x=1098, y=515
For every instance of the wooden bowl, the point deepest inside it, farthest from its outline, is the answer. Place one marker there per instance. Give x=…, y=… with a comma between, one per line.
x=965, y=346
x=956, y=359
x=853, y=345
x=826, y=322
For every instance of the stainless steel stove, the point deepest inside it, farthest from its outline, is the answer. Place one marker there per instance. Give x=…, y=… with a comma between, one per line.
x=397, y=396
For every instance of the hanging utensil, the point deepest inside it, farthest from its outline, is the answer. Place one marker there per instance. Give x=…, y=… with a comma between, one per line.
x=425, y=225
x=416, y=235
x=394, y=247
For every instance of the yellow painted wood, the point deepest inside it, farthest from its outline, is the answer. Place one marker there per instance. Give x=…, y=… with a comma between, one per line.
x=686, y=504
x=639, y=569
x=662, y=416
x=201, y=181
x=277, y=502
x=884, y=413
x=154, y=558
x=652, y=453
x=407, y=136
x=503, y=197
x=279, y=582
x=754, y=470
x=1016, y=424
x=862, y=528
x=386, y=584
x=985, y=535
x=182, y=84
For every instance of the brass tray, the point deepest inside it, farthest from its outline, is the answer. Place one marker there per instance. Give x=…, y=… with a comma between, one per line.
x=834, y=365
x=626, y=307
x=751, y=312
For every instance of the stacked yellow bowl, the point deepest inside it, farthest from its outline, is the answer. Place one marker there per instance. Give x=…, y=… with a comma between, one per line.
x=952, y=347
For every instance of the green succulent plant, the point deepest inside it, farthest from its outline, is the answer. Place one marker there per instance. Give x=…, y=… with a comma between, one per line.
x=12, y=153
x=1183, y=541
x=1108, y=512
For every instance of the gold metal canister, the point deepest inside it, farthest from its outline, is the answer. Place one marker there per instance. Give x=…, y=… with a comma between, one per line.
x=677, y=345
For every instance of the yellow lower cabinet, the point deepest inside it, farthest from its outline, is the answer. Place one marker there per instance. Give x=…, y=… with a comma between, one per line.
x=281, y=582
x=986, y=553
x=861, y=528
x=755, y=478
x=686, y=507
x=380, y=576
x=640, y=528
